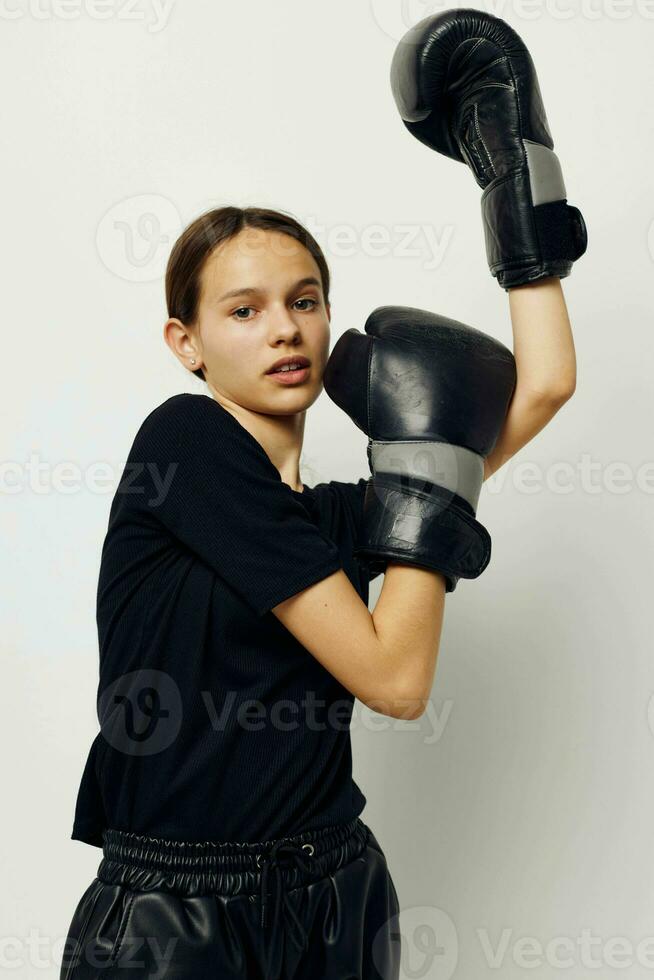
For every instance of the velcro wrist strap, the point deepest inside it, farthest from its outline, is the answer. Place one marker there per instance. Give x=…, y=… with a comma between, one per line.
x=525, y=240
x=423, y=524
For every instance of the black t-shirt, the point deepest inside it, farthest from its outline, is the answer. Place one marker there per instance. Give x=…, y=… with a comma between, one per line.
x=216, y=723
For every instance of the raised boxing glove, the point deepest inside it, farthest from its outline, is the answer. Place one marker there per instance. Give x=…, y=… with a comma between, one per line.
x=466, y=86
x=431, y=394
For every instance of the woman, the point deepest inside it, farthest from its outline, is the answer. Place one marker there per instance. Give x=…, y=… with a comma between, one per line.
x=235, y=634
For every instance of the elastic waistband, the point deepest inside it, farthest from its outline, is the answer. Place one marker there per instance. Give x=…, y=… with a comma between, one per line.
x=225, y=868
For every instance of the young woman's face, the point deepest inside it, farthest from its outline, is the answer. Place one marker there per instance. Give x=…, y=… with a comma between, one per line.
x=261, y=299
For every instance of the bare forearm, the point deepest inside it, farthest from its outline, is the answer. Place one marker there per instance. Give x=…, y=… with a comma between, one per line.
x=408, y=616
x=408, y=620
x=527, y=415
x=543, y=345
x=546, y=366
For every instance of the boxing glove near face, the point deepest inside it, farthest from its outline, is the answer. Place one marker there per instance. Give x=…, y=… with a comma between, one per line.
x=431, y=394
x=465, y=85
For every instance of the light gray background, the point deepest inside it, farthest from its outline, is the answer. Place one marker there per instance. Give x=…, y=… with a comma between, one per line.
x=517, y=813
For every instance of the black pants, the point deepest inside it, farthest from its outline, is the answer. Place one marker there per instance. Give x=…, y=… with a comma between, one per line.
x=318, y=906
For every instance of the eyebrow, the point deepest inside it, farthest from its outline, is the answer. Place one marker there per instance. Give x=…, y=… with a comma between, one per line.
x=250, y=290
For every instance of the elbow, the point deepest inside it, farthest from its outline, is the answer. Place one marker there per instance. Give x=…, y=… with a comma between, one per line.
x=416, y=709
x=409, y=704
x=554, y=396
x=404, y=705
x=563, y=390
x=565, y=393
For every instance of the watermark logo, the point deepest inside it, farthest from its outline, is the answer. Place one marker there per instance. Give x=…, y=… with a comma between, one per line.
x=141, y=712
x=428, y=941
x=135, y=236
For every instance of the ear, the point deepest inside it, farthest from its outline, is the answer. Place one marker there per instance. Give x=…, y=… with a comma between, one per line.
x=178, y=338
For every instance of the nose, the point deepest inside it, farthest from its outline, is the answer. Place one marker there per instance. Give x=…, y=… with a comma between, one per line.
x=282, y=324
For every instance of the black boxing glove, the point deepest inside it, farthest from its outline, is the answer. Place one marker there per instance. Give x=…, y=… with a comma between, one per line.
x=431, y=394
x=466, y=86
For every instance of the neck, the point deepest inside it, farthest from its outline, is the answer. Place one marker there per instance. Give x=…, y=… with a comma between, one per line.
x=281, y=437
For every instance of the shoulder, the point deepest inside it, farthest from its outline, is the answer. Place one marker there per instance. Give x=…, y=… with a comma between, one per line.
x=354, y=494
x=177, y=412
x=352, y=490
x=350, y=493
x=186, y=425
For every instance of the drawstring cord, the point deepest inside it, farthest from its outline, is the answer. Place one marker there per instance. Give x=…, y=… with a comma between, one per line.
x=270, y=863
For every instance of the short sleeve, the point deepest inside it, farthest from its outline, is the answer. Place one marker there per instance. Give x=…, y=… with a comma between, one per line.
x=356, y=492
x=212, y=485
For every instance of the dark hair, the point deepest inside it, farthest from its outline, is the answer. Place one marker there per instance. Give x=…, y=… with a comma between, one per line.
x=197, y=242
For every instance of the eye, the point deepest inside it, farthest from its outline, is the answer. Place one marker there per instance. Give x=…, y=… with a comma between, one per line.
x=239, y=310
x=306, y=299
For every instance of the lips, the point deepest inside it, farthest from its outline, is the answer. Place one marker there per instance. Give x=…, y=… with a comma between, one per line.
x=298, y=359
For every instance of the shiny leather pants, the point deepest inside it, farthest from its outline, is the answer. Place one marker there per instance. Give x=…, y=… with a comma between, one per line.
x=317, y=906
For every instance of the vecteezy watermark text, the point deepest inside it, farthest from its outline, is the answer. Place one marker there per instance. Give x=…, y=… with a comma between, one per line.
x=154, y=14
x=585, y=474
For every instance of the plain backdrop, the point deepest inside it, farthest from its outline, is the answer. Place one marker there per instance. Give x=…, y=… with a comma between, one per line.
x=517, y=813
